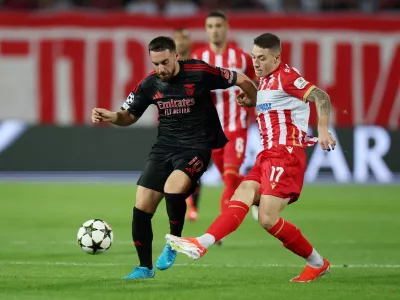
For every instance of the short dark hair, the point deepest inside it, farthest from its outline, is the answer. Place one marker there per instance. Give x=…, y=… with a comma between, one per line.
x=162, y=43
x=217, y=14
x=268, y=41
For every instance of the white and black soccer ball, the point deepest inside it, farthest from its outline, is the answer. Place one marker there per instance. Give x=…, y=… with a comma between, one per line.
x=95, y=236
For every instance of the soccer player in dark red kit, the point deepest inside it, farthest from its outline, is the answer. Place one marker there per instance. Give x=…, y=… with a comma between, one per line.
x=276, y=179
x=234, y=119
x=188, y=130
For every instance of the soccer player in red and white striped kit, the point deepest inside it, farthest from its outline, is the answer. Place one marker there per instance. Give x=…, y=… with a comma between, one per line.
x=234, y=119
x=276, y=179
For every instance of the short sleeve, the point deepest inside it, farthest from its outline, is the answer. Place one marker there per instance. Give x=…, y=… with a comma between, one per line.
x=137, y=102
x=294, y=84
x=219, y=78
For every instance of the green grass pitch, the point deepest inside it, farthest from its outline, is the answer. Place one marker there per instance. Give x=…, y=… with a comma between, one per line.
x=355, y=227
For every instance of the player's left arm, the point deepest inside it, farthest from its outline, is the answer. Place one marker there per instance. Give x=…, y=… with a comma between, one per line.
x=323, y=104
x=297, y=86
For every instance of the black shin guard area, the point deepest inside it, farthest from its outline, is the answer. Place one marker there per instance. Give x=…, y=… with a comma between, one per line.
x=176, y=209
x=142, y=235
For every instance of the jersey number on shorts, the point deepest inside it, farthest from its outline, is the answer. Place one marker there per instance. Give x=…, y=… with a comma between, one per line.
x=276, y=173
x=239, y=147
x=195, y=165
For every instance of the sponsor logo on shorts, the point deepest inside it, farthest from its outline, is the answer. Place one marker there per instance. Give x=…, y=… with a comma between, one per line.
x=273, y=185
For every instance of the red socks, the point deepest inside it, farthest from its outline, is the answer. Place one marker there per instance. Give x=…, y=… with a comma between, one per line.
x=292, y=238
x=232, y=179
x=229, y=220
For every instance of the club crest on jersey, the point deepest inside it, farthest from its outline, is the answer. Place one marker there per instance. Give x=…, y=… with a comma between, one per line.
x=190, y=87
x=264, y=107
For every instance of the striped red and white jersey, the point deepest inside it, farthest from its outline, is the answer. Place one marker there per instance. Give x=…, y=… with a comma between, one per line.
x=282, y=109
x=232, y=116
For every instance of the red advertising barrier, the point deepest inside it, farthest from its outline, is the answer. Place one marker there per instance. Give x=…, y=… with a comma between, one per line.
x=55, y=67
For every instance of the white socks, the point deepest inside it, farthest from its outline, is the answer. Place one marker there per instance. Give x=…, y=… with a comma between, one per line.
x=206, y=240
x=315, y=260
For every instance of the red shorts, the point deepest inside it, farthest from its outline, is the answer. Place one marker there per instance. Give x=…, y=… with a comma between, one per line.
x=233, y=152
x=280, y=171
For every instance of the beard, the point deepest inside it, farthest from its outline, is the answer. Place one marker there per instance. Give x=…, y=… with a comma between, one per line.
x=166, y=76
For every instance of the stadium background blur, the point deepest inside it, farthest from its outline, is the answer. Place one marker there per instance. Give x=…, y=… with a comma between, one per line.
x=59, y=59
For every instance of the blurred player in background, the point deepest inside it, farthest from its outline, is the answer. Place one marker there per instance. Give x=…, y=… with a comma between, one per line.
x=234, y=119
x=276, y=179
x=188, y=130
x=182, y=40
x=181, y=37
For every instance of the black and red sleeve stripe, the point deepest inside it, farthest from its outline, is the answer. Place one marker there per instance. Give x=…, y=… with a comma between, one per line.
x=201, y=67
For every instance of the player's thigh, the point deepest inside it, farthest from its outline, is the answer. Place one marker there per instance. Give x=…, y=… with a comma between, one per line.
x=269, y=210
x=178, y=183
x=147, y=199
x=249, y=188
x=155, y=173
x=188, y=167
x=235, y=149
x=218, y=159
x=247, y=192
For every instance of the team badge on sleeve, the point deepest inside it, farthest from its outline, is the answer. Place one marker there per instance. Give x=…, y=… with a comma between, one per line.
x=227, y=74
x=300, y=83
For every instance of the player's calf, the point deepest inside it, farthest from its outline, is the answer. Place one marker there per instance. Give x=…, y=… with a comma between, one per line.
x=232, y=179
x=175, y=191
x=269, y=210
x=290, y=236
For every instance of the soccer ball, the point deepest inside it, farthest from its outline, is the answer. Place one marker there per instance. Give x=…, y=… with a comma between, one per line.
x=95, y=236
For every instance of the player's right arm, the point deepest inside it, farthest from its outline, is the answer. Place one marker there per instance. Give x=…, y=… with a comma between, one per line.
x=119, y=118
x=131, y=110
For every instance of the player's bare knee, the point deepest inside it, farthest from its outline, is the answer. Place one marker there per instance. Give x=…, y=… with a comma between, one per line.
x=267, y=220
x=147, y=200
x=177, y=183
x=246, y=192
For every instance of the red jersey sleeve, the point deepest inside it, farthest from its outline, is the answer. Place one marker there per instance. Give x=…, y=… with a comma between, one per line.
x=295, y=85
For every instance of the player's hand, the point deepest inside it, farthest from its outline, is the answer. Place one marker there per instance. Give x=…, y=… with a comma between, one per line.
x=102, y=115
x=243, y=101
x=326, y=140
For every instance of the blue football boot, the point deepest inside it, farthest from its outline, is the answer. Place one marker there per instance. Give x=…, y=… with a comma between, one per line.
x=167, y=258
x=140, y=273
